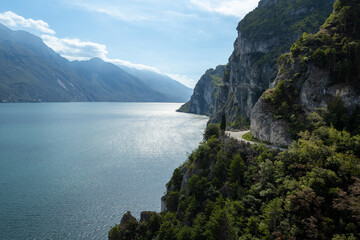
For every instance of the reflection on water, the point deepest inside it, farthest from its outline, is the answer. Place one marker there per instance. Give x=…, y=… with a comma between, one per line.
x=70, y=170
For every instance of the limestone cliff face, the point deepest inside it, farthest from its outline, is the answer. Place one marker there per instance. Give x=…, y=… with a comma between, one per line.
x=205, y=93
x=312, y=91
x=263, y=35
x=252, y=65
x=247, y=80
x=275, y=132
x=320, y=70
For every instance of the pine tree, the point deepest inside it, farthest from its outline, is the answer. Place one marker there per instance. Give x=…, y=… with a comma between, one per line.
x=223, y=122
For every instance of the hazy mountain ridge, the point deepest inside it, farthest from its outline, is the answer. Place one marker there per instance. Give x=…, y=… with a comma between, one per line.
x=172, y=89
x=32, y=72
x=111, y=83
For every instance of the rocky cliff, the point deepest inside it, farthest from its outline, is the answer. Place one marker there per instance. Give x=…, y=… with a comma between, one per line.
x=321, y=70
x=263, y=35
x=205, y=92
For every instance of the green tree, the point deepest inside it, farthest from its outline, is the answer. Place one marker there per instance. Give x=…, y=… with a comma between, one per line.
x=237, y=167
x=220, y=226
x=337, y=114
x=172, y=201
x=223, y=122
x=212, y=130
x=272, y=214
x=114, y=233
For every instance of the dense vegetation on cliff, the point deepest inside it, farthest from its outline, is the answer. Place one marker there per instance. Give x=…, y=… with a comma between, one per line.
x=227, y=190
x=336, y=47
x=333, y=51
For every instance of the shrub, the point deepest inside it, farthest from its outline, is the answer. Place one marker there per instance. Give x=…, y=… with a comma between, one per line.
x=212, y=130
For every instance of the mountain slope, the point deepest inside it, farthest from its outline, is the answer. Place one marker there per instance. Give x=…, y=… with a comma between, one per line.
x=174, y=90
x=110, y=83
x=321, y=71
x=32, y=72
x=263, y=35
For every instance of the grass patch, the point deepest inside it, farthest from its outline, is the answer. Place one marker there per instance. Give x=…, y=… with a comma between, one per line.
x=249, y=137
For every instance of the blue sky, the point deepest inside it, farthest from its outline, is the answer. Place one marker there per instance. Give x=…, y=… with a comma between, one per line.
x=181, y=38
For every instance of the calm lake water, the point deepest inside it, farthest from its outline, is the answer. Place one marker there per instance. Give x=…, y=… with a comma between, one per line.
x=70, y=170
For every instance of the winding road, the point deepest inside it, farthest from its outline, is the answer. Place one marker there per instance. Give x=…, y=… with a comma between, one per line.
x=239, y=136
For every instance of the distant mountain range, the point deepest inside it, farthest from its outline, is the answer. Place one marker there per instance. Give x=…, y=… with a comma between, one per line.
x=162, y=83
x=32, y=72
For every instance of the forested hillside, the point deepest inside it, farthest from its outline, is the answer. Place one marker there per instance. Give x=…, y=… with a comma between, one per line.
x=228, y=190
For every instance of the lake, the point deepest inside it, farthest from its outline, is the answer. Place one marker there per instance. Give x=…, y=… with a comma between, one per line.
x=71, y=170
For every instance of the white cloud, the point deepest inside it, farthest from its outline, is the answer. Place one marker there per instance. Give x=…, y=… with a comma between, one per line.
x=185, y=80
x=156, y=10
x=13, y=20
x=127, y=11
x=120, y=62
x=238, y=8
x=75, y=49
x=138, y=11
x=113, y=12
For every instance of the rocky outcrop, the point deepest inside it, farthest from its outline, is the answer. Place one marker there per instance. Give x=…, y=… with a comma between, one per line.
x=205, y=93
x=163, y=203
x=314, y=92
x=127, y=217
x=185, y=174
x=275, y=132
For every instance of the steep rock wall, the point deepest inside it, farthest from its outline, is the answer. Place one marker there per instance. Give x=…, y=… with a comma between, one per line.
x=263, y=35
x=262, y=38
